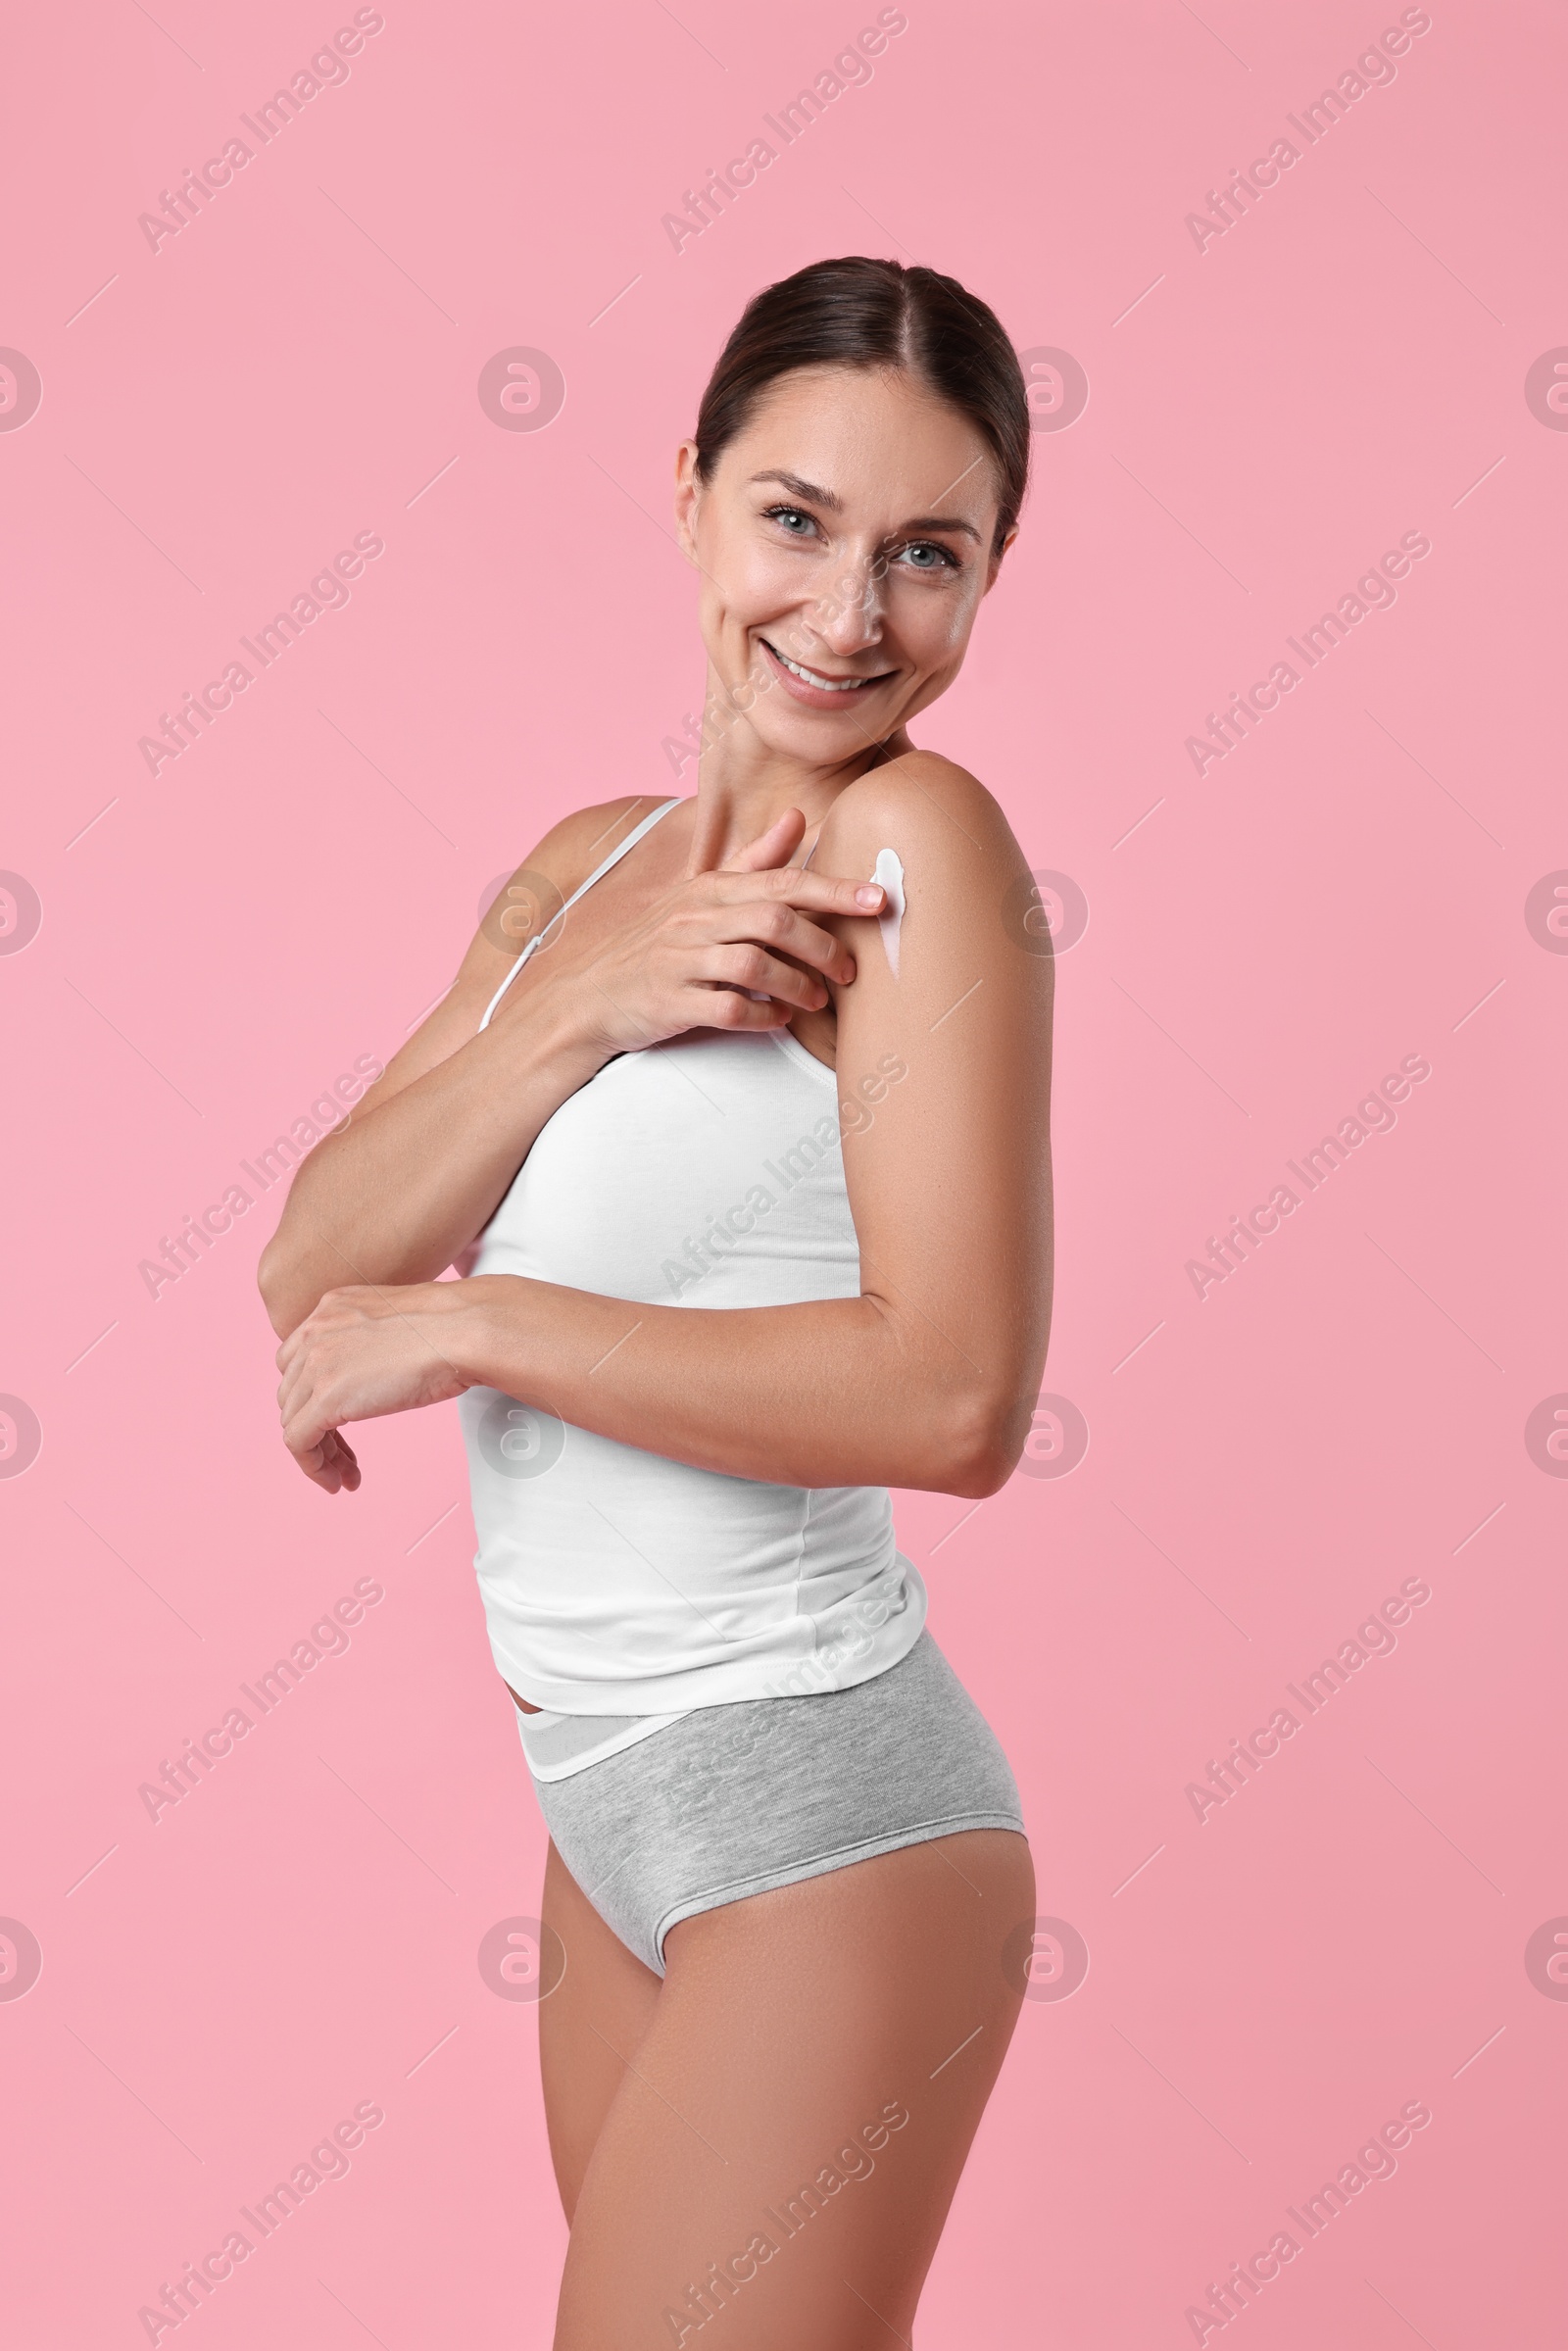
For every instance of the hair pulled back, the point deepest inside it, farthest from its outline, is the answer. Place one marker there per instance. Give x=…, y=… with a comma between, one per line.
x=857, y=313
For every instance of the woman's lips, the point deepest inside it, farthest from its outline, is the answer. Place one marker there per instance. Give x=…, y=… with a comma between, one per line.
x=820, y=698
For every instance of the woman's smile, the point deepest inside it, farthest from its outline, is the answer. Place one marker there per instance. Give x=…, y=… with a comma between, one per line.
x=819, y=688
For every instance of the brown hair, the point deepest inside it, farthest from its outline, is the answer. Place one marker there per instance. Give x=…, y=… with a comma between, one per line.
x=857, y=313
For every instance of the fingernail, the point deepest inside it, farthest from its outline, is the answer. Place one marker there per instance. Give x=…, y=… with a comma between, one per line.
x=868, y=893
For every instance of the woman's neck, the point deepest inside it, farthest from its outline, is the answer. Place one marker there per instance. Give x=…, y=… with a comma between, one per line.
x=743, y=786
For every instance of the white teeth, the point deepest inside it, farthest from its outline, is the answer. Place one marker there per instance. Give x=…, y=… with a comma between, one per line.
x=831, y=685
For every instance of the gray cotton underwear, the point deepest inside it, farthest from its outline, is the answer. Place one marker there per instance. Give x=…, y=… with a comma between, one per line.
x=738, y=1799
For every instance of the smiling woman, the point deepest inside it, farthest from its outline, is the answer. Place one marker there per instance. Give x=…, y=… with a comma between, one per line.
x=787, y=1858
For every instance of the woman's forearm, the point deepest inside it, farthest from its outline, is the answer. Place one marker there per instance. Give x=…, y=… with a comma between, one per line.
x=838, y=1392
x=393, y=1196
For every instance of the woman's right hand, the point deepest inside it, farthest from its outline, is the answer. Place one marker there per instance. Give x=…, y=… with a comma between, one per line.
x=731, y=949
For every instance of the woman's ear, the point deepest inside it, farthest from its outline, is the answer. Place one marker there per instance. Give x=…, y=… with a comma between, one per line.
x=688, y=497
x=995, y=564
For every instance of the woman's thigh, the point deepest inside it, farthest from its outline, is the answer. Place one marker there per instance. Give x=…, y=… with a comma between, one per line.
x=590, y=2027
x=803, y=2096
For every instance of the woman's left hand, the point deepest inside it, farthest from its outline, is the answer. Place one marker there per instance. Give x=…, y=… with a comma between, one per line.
x=362, y=1354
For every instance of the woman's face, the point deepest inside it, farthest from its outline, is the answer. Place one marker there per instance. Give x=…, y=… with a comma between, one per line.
x=845, y=542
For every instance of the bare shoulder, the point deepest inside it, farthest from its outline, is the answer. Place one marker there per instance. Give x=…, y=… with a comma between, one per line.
x=962, y=878
x=571, y=850
x=946, y=830
x=947, y=982
x=534, y=893
x=588, y=835
x=523, y=905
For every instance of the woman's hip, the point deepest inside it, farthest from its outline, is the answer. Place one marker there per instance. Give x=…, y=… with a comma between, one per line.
x=737, y=1800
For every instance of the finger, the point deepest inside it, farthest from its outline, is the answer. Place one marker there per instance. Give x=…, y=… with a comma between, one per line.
x=320, y=1471
x=770, y=848
x=341, y=1457
x=293, y=1387
x=306, y=1431
x=749, y=966
x=331, y=1464
x=775, y=925
x=313, y=1462
x=719, y=1007
x=328, y=1473
x=798, y=886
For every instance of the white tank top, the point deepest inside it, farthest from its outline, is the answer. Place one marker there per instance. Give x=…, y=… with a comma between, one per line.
x=703, y=1172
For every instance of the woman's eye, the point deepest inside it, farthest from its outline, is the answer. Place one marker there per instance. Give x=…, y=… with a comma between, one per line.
x=795, y=522
x=927, y=555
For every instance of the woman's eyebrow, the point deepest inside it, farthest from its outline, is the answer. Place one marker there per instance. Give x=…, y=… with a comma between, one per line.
x=804, y=489
x=812, y=495
x=941, y=523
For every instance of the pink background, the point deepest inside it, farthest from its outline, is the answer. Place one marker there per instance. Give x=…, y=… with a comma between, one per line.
x=1265, y=1465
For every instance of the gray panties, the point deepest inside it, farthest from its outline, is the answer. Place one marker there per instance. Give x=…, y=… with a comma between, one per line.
x=734, y=1801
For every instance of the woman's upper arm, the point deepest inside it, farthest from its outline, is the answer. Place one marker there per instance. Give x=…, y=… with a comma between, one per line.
x=563, y=859
x=944, y=1075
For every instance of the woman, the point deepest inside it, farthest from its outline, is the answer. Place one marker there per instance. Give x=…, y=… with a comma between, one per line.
x=778, y=1054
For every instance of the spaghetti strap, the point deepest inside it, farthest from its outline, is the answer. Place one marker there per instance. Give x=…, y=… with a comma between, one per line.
x=598, y=874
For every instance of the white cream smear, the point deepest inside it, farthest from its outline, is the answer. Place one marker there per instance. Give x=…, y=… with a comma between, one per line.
x=890, y=873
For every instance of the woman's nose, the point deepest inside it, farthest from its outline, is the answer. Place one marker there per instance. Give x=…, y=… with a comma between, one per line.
x=848, y=615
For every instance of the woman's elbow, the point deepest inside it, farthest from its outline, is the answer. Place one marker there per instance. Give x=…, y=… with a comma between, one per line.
x=981, y=1471
x=277, y=1281
x=984, y=1439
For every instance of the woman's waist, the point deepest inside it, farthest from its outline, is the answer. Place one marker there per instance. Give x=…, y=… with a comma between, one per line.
x=629, y=1655
x=595, y=1560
